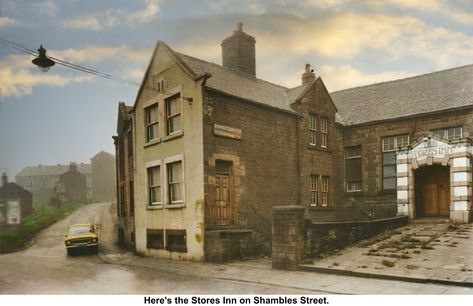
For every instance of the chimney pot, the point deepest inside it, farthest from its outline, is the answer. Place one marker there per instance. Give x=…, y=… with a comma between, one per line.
x=308, y=75
x=4, y=179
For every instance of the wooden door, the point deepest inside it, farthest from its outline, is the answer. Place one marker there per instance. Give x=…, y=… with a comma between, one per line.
x=433, y=192
x=223, y=199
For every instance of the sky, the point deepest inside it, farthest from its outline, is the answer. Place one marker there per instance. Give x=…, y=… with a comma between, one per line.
x=64, y=115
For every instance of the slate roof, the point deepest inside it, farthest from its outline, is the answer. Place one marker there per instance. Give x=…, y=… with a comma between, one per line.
x=432, y=92
x=52, y=170
x=243, y=86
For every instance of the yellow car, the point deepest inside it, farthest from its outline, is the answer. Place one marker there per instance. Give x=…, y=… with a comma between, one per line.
x=81, y=236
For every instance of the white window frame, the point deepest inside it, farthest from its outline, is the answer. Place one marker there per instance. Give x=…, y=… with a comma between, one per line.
x=313, y=129
x=384, y=150
x=323, y=132
x=167, y=117
x=169, y=160
x=314, y=178
x=151, y=164
x=445, y=132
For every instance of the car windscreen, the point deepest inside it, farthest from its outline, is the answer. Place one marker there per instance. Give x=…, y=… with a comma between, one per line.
x=79, y=230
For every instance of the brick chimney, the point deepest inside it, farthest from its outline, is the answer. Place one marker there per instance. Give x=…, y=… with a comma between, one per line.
x=308, y=76
x=4, y=179
x=238, y=52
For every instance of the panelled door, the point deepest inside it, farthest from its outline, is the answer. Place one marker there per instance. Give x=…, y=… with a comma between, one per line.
x=432, y=188
x=224, y=194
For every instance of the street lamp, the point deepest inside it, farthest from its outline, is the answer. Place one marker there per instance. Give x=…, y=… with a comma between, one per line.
x=42, y=61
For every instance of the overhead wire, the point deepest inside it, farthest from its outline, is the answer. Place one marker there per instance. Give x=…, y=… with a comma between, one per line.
x=84, y=69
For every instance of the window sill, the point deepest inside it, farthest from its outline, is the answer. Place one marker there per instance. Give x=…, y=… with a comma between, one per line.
x=358, y=193
x=154, y=207
x=152, y=142
x=388, y=191
x=176, y=205
x=318, y=148
x=312, y=207
x=173, y=136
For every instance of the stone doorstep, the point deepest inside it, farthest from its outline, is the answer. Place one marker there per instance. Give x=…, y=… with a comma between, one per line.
x=466, y=282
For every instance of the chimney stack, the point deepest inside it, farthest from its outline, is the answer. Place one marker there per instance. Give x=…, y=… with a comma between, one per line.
x=308, y=76
x=238, y=52
x=4, y=179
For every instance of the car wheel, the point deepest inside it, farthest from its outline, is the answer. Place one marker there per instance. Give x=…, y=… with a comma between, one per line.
x=70, y=252
x=94, y=249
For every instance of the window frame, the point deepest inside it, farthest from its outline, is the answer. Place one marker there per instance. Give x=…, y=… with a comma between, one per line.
x=167, y=199
x=445, y=132
x=354, y=157
x=156, y=232
x=167, y=110
x=149, y=125
x=323, y=132
x=148, y=166
x=325, y=191
x=312, y=130
x=385, y=151
x=314, y=192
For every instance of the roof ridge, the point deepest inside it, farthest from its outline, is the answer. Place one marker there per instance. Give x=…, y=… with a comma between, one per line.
x=406, y=78
x=231, y=71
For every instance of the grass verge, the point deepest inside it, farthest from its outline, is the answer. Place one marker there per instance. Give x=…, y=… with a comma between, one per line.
x=42, y=218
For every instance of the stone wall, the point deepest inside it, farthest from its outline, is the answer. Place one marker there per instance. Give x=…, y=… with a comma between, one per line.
x=369, y=137
x=295, y=238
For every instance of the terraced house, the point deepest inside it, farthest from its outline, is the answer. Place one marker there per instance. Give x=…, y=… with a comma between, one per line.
x=207, y=150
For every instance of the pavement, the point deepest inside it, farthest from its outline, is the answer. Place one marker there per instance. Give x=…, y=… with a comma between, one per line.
x=424, y=258
x=426, y=251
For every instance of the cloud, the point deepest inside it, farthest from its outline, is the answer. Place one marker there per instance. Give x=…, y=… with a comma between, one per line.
x=345, y=76
x=47, y=7
x=6, y=21
x=96, y=54
x=98, y=21
x=145, y=15
x=94, y=21
x=18, y=77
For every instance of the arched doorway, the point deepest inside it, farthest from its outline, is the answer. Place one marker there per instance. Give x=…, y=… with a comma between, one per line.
x=432, y=191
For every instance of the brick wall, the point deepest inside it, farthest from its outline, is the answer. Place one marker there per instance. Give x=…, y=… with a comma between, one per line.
x=265, y=158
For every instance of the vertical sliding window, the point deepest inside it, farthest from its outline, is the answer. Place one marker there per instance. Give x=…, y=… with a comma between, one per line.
x=314, y=190
x=152, y=122
x=353, y=176
x=324, y=191
x=454, y=133
x=389, y=147
x=324, y=132
x=173, y=114
x=154, y=185
x=175, y=182
x=312, y=130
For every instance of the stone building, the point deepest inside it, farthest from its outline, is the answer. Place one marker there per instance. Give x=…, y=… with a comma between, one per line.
x=124, y=177
x=15, y=204
x=103, y=177
x=41, y=181
x=213, y=149
x=70, y=188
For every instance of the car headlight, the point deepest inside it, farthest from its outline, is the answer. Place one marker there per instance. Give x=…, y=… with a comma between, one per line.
x=68, y=242
x=95, y=240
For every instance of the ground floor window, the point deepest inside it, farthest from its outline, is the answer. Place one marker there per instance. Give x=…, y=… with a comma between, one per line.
x=176, y=240
x=353, y=176
x=314, y=190
x=324, y=193
x=154, y=239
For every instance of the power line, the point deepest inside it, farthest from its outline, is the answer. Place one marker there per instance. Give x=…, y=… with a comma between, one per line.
x=94, y=72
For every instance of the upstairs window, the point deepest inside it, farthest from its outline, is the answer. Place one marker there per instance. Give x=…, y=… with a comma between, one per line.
x=454, y=133
x=312, y=130
x=324, y=132
x=173, y=114
x=353, y=176
x=389, y=147
x=152, y=122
